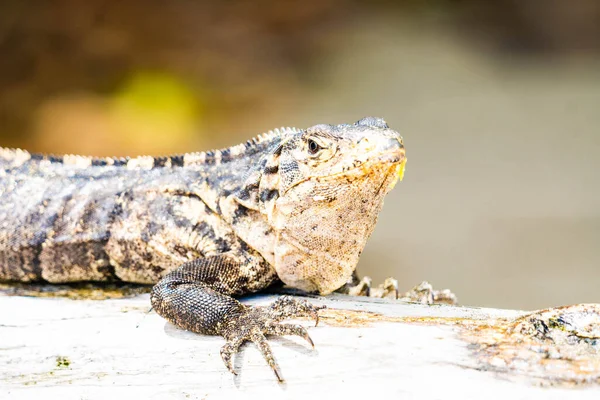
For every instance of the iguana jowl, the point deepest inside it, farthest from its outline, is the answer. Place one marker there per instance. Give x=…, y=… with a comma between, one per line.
x=292, y=205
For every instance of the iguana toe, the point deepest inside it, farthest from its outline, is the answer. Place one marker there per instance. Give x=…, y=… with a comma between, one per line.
x=253, y=323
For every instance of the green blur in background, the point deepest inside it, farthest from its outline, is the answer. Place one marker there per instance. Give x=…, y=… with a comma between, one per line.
x=498, y=103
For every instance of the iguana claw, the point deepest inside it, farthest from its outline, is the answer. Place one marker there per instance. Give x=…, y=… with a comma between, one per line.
x=423, y=293
x=256, y=322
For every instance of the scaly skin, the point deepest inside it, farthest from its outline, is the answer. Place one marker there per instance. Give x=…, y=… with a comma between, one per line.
x=293, y=205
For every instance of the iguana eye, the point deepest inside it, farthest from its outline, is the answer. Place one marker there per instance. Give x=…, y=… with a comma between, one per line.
x=313, y=147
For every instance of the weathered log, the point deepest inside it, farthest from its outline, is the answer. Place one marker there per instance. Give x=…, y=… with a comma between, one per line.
x=62, y=348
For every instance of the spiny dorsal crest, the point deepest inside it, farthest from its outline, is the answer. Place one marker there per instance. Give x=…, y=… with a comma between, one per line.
x=212, y=157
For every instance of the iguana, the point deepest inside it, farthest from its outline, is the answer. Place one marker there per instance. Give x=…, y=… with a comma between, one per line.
x=293, y=206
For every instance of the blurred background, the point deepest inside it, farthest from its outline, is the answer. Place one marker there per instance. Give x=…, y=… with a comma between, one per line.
x=498, y=103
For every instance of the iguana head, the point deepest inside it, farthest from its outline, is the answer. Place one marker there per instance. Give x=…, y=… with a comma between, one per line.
x=322, y=196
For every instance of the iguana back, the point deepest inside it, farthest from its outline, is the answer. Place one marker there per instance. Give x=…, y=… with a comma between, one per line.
x=75, y=218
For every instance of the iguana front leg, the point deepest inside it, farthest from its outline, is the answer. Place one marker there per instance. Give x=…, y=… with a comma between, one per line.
x=197, y=297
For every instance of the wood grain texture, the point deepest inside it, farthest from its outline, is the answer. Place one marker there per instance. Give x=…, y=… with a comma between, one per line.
x=54, y=348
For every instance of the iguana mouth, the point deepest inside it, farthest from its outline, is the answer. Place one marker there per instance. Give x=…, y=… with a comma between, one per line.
x=392, y=158
x=379, y=155
x=360, y=168
x=368, y=166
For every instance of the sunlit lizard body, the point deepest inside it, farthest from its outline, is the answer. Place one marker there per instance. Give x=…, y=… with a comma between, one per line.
x=292, y=205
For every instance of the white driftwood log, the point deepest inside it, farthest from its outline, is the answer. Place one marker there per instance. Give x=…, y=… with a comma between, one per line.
x=57, y=348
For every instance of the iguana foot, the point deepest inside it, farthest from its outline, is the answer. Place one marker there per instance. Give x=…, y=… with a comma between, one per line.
x=389, y=288
x=425, y=294
x=253, y=323
x=422, y=293
x=360, y=288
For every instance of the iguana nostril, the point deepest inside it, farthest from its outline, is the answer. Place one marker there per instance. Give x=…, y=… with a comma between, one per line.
x=365, y=144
